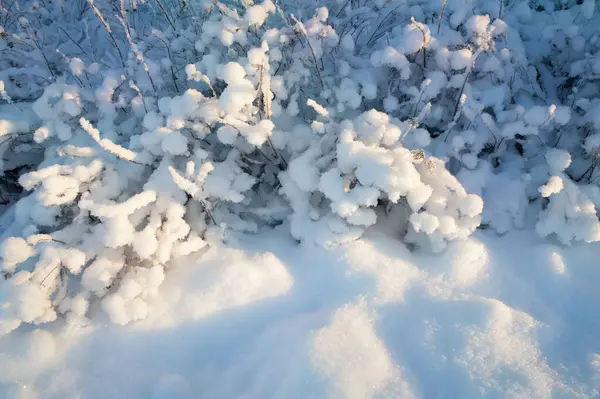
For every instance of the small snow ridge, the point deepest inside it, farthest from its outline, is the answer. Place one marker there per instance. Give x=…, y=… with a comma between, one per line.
x=469, y=262
x=503, y=355
x=349, y=352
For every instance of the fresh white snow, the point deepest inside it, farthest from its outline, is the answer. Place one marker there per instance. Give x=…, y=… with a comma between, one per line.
x=299, y=199
x=490, y=317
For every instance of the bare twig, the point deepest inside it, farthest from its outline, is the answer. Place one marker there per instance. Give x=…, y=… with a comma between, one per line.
x=164, y=11
x=107, y=28
x=173, y=76
x=137, y=52
x=77, y=44
x=300, y=30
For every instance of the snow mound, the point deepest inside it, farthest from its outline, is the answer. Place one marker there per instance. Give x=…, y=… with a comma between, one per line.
x=223, y=279
x=349, y=352
x=269, y=318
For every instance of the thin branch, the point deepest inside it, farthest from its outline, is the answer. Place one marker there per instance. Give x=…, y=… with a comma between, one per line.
x=164, y=11
x=93, y=58
x=107, y=28
x=301, y=30
x=442, y=16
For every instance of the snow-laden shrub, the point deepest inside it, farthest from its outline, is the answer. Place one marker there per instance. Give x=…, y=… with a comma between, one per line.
x=138, y=172
x=18, y=151
x=164, y=126
x=571, y=212
x=124, y=211
x=505, y=82
x=369, y=164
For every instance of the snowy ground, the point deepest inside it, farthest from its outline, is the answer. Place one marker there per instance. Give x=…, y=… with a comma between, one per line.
x=156, y=133
x=491, y=317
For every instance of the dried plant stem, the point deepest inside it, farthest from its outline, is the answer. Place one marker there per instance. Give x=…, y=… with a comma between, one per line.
x=137, y=52
x=164, y=11
x=139, y=92
x=442, y=15
x=107, y=28
x=264, y=99
x=173, y=76
x=300, y=30
x=91, y=57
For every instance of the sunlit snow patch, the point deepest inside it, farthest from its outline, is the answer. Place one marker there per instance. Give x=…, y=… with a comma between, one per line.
x=349, y=352
x=225, y=278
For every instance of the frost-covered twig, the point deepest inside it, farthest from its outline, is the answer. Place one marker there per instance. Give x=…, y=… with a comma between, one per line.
x=108, y=145
x=319, y=109
x=265, y=100
x=192, y=189
x=442, y=15
x=139, y=92
x=107, y=28
x=299, y=29
x=137, y=52
x=183, y=183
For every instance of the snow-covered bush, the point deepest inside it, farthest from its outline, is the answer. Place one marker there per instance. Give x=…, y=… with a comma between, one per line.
x=367, y=165
x=571, y=212
x=159, y=127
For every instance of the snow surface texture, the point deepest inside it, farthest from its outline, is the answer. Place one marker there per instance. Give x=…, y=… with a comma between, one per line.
x=509, y=317
x=140, y=140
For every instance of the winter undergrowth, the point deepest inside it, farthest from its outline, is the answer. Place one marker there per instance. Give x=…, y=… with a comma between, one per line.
x=150, y=130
